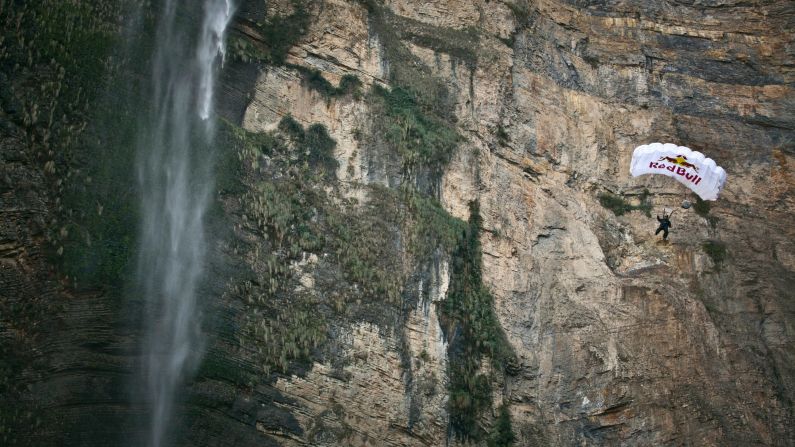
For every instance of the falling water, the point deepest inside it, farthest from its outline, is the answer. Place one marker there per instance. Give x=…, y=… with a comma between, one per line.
x=175, y=174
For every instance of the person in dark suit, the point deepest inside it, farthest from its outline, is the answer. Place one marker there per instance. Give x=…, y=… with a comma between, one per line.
x=665, y=224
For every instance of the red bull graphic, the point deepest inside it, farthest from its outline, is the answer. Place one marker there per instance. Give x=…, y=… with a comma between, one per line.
x=680, y=160
x=691, y=168
x=679, y=166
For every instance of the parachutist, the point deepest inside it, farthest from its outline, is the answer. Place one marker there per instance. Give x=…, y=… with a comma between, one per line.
x=665, y=224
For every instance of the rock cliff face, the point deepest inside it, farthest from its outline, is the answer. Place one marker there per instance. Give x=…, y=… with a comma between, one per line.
x=329, y=314
x=621, y=339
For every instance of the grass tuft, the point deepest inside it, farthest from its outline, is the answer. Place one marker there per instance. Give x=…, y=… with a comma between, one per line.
x=716, y=250
x=619, y=206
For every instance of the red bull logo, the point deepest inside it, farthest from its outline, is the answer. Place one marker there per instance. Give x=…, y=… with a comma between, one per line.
x=679, y=166
x=680, y=160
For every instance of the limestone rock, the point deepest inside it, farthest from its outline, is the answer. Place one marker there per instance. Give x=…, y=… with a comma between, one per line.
x=621, y=339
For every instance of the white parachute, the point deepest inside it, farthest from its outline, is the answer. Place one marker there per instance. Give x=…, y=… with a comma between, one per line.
x=691, y=168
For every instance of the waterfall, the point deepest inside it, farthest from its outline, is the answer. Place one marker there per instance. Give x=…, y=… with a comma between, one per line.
x=176, y=183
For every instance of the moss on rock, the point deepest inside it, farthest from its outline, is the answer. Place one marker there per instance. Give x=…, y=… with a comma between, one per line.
x=473, y=332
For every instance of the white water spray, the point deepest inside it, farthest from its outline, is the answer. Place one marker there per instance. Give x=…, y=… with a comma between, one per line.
x=211, y=47
x=175, y=175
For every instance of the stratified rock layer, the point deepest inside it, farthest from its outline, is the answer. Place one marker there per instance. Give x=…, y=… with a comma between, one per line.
x=622, y=339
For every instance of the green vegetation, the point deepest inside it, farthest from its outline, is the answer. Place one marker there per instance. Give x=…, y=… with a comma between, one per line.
x=422, y=140
x=99, y=216
x=276, y=205
x=349, y=83
x=296, y=215
x=288, y=209
x=287, y=205
x=314, y=146
x=521, y=10
x=59, y=58
x=289, y=335
x=56, y=61
x=461, y=44
x=502, y=136
x=414, y=120
x=432, y=227
x=702, y=207
x=315, y=81
x=406, y=70
x=60, y=61
x=415, y=117
x=619, y=206
x=502, y=434
x=474, y=331
x=99, y=219
x=273, y=38
x=362, y=240
x=716, y=250
x=614, y=203
x=280, y=210
x=290, y=202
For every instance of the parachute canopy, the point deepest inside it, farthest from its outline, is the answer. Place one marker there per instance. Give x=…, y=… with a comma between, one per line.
x=689, y=167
